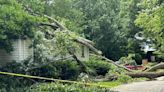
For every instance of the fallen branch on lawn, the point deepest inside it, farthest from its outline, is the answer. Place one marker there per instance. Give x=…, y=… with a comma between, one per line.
x=111, y=61
x=150, y=75
x=158, y=66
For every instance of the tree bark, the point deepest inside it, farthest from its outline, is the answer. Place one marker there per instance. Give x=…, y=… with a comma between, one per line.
x=96, y=51
x=158, y=66
x=150, y=75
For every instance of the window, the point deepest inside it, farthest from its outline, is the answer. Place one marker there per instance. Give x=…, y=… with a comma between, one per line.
x=82, y=51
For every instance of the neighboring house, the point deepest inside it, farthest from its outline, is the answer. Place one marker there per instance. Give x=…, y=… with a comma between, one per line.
x=146, y=46
x=21, y=51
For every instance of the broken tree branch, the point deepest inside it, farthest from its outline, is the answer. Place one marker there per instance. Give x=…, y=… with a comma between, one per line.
x=158, y=66
x=88, y=45
x=111, y=61
x=52, y=25
x=150, y=75
x=86, y=40
x=62, y=28
x=82, y=65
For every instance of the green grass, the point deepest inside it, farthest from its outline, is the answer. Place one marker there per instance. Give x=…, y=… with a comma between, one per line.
x=110, y=84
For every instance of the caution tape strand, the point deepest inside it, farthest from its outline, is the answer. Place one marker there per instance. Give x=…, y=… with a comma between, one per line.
x=52, y=79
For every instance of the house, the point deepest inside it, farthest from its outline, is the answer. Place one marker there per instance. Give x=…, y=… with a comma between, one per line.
x=22, y=50
x=146, y=47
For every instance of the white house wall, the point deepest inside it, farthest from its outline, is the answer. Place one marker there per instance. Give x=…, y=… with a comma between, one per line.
x=85, y=51
x=21, y=51
x=78, y=54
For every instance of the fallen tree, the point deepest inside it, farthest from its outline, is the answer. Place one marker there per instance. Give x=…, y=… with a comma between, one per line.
x=55, y=25
x=153, y=68
x=150, y=75
x=111, y=61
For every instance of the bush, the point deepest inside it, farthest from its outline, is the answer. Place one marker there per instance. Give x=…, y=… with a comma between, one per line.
x=11, y=83
x=56, y=87
x=99, y=66
x=46, y=71
x=13, y=89
x=124, y=78
x=138, y=58
x=13, y=67
x=60, y=69
x=67, y=69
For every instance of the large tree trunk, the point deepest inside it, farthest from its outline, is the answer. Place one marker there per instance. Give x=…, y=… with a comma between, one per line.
x=92, y=48
x=150, y=75
x=158, y=66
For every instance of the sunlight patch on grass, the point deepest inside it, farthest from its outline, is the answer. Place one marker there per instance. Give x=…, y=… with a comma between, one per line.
x=110, y=84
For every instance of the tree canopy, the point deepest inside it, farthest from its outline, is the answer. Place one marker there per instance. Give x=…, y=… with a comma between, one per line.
x=111, y=24
x=150, y=19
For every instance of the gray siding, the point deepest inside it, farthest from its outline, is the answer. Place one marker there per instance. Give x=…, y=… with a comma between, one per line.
x=21, y=51
x=83, y=53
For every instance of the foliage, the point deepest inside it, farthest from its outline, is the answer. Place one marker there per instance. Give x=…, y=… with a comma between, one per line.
x=128, y=60
x=99, y=66
x=59, y=69
x=12, y=83
x=110, y=24
x=110, y=83
x=55, y=48
x=56, y=87
x=150, y=19
x=15, y=23
x=13, y=89
x=62, y=10
x=127, y=79
x=116, y=71
x=46, y=71
x=124, y=78
x=68, y=69
x=119, y=75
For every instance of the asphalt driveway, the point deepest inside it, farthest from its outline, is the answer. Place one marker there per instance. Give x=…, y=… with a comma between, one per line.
x=147, y=86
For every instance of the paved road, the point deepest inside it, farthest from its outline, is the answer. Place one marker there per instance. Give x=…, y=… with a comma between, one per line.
x=148, y=86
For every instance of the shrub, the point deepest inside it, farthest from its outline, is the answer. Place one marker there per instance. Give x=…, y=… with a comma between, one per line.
x=67, y=69
x=118, y=74
x=124, y=78
x=46, y=71
x=62, y=70
x=9, y=83
x=138, y=58
x=99, y=66
x=56, y=87
x=128, y=59
x=59, y=69
x=13, y=67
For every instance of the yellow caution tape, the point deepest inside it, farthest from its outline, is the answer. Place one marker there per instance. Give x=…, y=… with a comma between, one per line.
x=51, y=79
